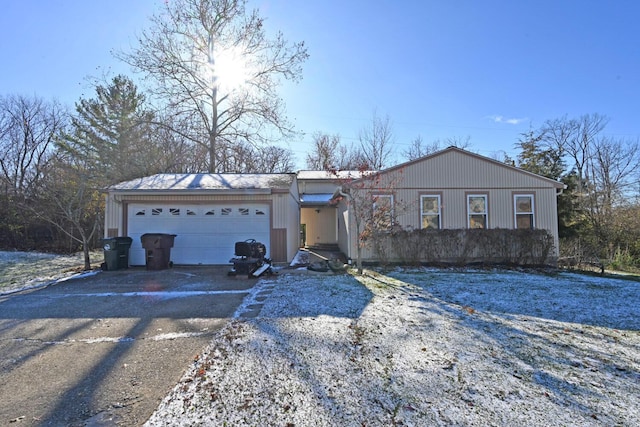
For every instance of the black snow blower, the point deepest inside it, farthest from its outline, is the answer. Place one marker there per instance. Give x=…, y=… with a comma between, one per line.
x=250, y=259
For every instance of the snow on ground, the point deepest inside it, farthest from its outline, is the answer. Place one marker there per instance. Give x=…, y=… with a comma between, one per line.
x=23, y=270
x=421, y=347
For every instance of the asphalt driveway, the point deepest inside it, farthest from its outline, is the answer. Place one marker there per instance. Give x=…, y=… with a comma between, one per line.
x=104, y=350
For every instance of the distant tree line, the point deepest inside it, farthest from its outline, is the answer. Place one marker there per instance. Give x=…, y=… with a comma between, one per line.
x=599, y=211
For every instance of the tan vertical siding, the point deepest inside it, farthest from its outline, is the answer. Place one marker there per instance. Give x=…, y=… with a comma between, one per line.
x=279, y=244
x=453, y=175
x=112, y=217
x=293, y=225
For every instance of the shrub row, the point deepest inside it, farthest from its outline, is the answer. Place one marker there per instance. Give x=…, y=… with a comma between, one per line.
x=465, y=246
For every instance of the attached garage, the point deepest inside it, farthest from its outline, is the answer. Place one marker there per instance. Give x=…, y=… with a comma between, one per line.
x=205, y=234
x=208, y=213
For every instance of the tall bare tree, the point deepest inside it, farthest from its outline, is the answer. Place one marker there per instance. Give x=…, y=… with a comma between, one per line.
x=376, y=142
x=213, y=60
x=575, y=138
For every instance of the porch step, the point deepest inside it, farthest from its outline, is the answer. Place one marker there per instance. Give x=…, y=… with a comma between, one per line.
x=328, y=247
x=327, y=253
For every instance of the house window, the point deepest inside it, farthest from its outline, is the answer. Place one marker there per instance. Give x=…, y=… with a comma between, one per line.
x=523, y=207
x=190, y=212
x=477, y=211
x=259, y=212
x=430, y=211
x=141, y=212
x=382, y=211
x=243, y=211
x=156, y=211
x=174, y=211
x=225, y=211
x=210, y=212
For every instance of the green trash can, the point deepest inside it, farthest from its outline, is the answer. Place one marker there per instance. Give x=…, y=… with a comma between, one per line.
x=116, y=252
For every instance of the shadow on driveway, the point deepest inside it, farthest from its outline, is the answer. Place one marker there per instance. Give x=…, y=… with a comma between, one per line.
x=105, y=349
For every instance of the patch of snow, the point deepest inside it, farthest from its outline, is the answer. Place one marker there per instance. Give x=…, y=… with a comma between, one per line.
x=29, y=270
x=421, y=347
x=301, y=258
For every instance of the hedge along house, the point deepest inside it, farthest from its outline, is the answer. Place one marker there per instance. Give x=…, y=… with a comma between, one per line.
x=451, y=189
x=208, y=213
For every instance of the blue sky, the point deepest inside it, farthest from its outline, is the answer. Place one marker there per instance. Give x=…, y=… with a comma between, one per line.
x=487, y=70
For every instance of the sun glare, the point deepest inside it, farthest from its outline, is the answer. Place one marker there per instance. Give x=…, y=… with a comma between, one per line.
x=231, y=69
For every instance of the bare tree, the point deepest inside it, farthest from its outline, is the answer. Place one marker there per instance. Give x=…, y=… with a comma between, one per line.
x=273, y=159
x=329, y=154
x=173, y=151
x=28, y=128
x=244, y=158
x=71, y=200
x=213, y=60
x=604, y=173
x=368, y=196
x=324, y=154
x=376, y=142
x=612, y=172
x=575, y=138
x=420, y=148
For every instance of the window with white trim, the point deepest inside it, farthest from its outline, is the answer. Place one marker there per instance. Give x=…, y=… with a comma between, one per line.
x=477, y=211
x=430, y=211
x=382, y=211
x=523, y=209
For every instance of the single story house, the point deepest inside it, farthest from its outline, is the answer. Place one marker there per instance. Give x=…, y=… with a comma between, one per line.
x=449, y=189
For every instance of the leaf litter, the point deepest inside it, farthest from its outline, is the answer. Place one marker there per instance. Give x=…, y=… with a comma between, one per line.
x=421, y=347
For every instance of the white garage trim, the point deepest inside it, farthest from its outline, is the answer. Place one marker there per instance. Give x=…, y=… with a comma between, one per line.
x=205, y=234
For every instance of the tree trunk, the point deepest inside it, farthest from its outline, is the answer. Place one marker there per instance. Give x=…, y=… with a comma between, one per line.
x=85, y=250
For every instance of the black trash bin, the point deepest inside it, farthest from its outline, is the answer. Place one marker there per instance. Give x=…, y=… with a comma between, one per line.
x=116, y=252
x=157, y=248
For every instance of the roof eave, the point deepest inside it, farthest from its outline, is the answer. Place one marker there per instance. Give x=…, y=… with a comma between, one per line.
x=199, y=191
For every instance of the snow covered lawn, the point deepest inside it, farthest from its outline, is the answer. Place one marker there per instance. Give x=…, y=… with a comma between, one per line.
x=20, y=270
x=421, y=347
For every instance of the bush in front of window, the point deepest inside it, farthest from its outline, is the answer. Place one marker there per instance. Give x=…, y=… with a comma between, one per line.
x=514, y=247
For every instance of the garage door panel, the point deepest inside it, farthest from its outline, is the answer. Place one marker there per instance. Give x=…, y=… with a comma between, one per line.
x=205, y=234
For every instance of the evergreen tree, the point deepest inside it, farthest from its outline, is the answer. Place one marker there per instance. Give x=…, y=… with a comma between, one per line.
x=112, y=133
x=537, y=158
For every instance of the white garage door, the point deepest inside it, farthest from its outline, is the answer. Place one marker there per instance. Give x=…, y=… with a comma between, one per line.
x=205, y=234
